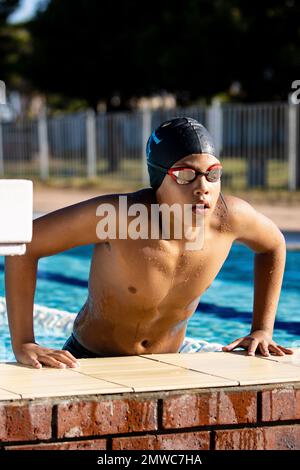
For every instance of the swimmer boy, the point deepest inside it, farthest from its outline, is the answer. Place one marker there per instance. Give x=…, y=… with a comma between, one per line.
x=142, y=292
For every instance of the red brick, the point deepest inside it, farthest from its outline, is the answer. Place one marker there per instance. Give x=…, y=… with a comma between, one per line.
x=92, y=444
x=283, y=437
x=220, y=407
x=279, y=404
x=240, y=439
x=25, y=422
x=92, y=418
x=179, y=441
x=271, y=438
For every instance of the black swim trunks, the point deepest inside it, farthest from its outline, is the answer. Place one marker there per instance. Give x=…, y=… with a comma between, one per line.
x=79, y=351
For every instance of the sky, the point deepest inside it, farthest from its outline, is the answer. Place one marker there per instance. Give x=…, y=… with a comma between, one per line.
x=25, y=11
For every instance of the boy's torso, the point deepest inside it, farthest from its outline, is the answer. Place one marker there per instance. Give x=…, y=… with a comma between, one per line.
x=142, y=292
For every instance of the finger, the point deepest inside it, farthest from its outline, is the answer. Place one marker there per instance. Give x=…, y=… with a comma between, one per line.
x=73, y=358
x=62, y=357
x=252, y=347
x=33, y=362
x=285, y=350
x=276, y=350
x=231, y=346
x=36, y=364
x=51, y=362
x=264, y=349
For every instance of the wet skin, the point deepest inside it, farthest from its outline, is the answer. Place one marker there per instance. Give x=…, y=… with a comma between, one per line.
x=142, y=292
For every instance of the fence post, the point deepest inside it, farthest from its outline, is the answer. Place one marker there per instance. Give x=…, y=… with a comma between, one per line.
x=1, y=151
x=91, y=144
x=2, y=102
x=257, y=163
x=215, y=124
x=146, y=131
x=43, y=144
x=293, y=145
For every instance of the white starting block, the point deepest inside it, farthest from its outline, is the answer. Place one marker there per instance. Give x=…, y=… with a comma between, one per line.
x=15, y=216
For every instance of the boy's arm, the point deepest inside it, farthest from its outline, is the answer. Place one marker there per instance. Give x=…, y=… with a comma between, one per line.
x=261, y=235
x=53, y=233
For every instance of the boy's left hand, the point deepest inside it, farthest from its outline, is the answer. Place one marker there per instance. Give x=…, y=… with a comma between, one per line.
x=258, y=339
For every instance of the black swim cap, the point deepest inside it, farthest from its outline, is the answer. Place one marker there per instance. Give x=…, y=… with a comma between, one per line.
x=173, y=140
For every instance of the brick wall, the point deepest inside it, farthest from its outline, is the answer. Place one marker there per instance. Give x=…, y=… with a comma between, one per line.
x=248, y=418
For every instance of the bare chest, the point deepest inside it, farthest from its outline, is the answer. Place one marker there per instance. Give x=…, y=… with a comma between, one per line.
x=156, y=271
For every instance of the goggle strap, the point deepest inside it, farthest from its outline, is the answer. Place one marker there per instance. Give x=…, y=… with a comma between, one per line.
x=162, y=169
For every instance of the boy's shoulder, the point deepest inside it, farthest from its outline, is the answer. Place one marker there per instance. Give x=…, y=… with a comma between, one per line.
x=237, y=207
x=249, y=225
x=238, y=210
x=116, y=198
x=240, y=215
x=144, y=195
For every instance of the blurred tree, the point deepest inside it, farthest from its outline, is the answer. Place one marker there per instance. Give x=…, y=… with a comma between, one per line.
x=7, y=7
x=94, y=50
x=7, y=40
x=271, y=47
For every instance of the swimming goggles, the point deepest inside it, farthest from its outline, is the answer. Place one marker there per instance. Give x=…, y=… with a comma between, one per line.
x=185, y=175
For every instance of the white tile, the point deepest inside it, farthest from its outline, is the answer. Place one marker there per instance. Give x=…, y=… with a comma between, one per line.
x=244, y=369
x=5, y=395
x=54, y=382
x=171, y=378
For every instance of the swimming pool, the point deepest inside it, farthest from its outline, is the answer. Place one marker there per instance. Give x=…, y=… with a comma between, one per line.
x=224, y=313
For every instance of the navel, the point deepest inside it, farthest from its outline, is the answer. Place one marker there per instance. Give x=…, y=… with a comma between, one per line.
x=132, y=289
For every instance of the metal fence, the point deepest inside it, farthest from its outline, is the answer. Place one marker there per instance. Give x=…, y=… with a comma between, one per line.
x=257, y=143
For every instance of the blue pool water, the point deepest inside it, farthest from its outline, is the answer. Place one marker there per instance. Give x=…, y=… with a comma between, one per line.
x=224, y=313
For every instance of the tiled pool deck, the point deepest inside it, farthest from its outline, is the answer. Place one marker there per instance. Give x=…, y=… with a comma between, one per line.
x=147, y=373
x=166, y=401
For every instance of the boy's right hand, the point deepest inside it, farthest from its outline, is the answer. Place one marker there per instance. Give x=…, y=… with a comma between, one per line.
x=32, y=354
